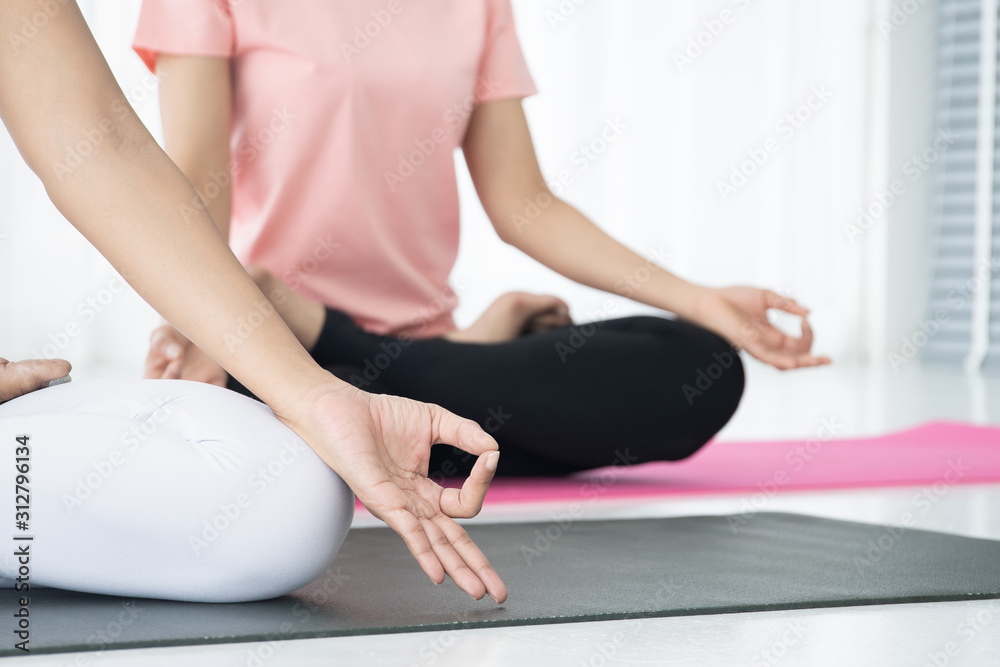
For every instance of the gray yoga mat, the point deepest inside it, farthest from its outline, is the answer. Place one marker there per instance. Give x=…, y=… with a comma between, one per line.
x=557, y=572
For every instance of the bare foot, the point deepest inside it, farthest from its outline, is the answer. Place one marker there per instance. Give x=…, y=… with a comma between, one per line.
x=512, y=315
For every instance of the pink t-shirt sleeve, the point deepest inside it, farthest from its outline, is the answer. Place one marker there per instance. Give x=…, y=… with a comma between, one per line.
x=503, y=73
x=184, y=27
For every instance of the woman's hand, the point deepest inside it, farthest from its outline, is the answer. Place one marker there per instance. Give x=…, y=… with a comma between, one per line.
x=739, y=314
x=515, y=314
x=171, y=356
x=380, y=445
x=21, y=377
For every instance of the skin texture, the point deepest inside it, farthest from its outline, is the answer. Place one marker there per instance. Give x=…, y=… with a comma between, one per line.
x=128, y=199
x=501, y=158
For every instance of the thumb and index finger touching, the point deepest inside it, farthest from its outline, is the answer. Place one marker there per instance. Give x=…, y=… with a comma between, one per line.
x=468, y=436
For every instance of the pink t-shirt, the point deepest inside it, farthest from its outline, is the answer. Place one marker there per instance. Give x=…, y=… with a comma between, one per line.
x=346, y=117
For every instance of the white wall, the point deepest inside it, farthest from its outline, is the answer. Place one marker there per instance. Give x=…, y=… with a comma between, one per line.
x=655, y=188
x=53, y=281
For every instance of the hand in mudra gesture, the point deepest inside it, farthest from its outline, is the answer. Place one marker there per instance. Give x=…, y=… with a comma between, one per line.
x=380, y=445
x=739, y=314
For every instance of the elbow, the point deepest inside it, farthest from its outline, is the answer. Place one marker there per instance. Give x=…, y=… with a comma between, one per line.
x=506, y=231
x=517, y=216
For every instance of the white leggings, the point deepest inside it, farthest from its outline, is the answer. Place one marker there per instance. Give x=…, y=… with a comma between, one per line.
x=164, y=489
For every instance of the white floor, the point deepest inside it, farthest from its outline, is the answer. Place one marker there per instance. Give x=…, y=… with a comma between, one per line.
x=777, y=405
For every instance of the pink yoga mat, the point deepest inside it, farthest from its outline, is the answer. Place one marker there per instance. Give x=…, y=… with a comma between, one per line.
x=938, y=452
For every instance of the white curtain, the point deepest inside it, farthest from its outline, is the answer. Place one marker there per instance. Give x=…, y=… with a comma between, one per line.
x=688, y=91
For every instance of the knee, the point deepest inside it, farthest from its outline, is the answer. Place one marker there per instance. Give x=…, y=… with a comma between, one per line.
x=700, y=381
x=703, y=367
x=270, y=569
x=245, y=554
x=711, y=392
x=722, y=368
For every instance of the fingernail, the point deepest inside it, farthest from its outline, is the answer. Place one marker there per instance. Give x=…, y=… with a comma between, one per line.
x=491, y=461
x=61, y=380
x=173, y=351
x=493, y=597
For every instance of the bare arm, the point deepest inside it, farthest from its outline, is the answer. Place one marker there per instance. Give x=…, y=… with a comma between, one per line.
x=106, y=174
x=501, y=158
x=502, y=162
x=196, y=106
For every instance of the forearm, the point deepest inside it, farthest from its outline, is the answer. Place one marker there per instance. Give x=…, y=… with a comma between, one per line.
x=502, y=162
x=183, y=268
x=106, y=174
x=213, y=189
x=564, y=240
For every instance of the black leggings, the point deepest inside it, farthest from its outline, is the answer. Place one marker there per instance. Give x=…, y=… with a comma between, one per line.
x=629, y=390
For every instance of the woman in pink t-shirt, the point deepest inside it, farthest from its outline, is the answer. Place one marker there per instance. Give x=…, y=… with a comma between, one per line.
x=320, y=136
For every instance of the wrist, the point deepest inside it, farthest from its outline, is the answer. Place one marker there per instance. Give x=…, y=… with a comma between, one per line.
x=305, y=395
x=690, y=301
